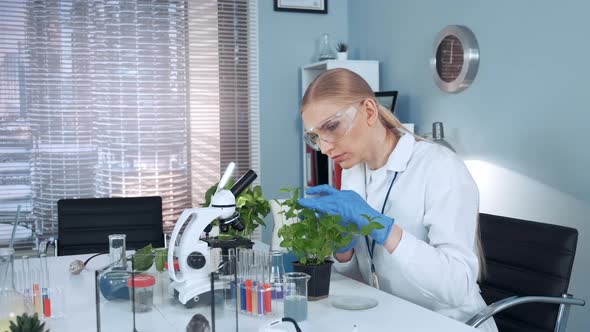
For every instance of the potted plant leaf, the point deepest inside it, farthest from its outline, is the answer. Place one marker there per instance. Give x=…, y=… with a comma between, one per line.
x=342, y=51
x=26, y=323
x=313, y=239
x=252, y=207
x=144, y=258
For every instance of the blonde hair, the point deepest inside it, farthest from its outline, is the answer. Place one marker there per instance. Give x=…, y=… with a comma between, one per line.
x=344, y=87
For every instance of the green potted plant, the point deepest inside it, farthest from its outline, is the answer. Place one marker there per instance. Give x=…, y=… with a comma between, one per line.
x=342, y=51
x=252, y=206
x=144, y=258
x=26, y=323
x=313, y=239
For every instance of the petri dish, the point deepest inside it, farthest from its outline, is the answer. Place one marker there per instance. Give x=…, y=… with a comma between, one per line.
x=354, y=302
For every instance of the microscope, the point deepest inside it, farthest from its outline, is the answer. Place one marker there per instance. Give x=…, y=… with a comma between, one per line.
x=195, y=260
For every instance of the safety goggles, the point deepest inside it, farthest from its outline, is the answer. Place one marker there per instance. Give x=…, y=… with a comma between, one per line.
x=332, y=129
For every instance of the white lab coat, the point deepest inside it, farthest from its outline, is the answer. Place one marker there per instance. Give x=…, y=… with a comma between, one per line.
x=435, y=201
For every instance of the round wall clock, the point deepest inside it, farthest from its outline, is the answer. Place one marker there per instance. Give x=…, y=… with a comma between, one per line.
x=455, y=58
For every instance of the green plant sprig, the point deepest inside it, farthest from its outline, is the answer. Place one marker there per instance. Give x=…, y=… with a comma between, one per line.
x=148, y=255
x=252, y=206
x=315, y=236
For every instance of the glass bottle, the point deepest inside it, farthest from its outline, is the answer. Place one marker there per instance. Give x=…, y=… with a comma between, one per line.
x=326, y=52
x=117, y=250
x=12, y=303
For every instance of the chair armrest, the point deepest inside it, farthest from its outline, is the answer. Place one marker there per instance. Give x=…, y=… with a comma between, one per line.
x=512, y=301
x=44, y=246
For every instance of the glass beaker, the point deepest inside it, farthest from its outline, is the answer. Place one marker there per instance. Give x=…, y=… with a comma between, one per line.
x=117, y=251
x=12, y=303
x=326, y=52
x=296, y=295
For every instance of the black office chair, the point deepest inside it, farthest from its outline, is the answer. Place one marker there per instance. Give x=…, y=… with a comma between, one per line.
x=528, y=264
x=85, y=224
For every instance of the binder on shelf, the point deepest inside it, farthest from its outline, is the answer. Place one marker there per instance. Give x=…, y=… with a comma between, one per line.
x=311, y=165
x=337, y=177
x=317, y=168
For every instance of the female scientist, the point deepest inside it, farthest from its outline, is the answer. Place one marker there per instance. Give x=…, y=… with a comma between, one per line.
x=422, y=193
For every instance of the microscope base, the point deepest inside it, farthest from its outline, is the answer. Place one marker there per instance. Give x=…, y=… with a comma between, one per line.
x=195, y=292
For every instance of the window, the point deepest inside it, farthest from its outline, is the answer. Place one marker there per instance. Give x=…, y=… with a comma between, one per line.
x=123, y=98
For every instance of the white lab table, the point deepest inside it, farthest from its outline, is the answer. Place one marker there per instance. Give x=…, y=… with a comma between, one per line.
x=392, y=313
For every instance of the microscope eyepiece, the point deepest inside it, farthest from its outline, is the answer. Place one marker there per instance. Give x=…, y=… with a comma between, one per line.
x=243, y=183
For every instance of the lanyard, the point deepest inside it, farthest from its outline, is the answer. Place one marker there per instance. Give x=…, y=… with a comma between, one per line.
x=371, y=248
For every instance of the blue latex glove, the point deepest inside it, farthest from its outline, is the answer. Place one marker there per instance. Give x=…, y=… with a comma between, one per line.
x=350, y=205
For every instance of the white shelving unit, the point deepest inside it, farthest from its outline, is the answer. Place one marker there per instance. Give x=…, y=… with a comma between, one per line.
x=367, y=69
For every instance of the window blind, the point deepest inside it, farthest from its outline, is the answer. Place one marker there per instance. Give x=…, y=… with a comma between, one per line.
x=224, y=89
x=15, y=129
x=113, y=98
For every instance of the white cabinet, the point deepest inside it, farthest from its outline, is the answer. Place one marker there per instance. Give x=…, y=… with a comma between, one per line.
x=317, y=169
x=368, y=69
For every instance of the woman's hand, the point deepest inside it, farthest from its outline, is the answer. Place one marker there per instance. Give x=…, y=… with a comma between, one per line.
x=351, y=206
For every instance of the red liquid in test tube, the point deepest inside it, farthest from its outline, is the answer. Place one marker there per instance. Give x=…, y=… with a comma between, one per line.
x=267, y=299
x=248, y=295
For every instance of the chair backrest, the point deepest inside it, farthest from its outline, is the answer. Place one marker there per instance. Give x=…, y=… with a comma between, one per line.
x=85, y=224
x=526, y=258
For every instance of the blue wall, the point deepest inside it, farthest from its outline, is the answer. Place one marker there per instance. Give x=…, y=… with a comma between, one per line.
x=524, y=121
x=521, y=126
x=288, y=41
x=527, y=108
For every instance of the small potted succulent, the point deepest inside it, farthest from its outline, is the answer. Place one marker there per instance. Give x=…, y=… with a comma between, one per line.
x=342, y=51
x=26, y=323
x=252, y=206
x=313, y=239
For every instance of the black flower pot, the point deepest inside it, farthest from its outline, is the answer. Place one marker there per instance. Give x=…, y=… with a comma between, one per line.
x=318, y=286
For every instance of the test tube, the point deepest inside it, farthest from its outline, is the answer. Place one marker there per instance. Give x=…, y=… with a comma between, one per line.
x=230, y=271
x=243, y=278
x=266, y=285
x=259, y=277
x=248, y=281
x=36, y=291
x=254, y=283
x=26, y=281
x=260, y=288
x=238, y=279
x=45, y=287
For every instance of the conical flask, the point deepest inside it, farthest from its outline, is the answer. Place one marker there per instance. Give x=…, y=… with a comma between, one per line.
x=277, y=275
x=326, y=51
x=12, y=302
